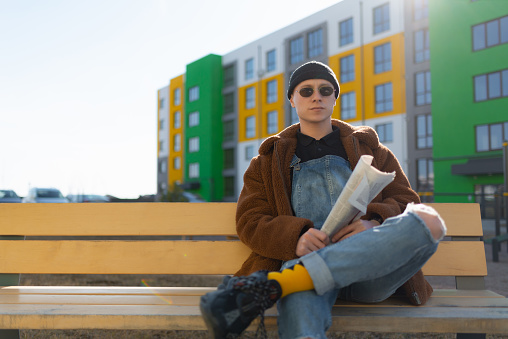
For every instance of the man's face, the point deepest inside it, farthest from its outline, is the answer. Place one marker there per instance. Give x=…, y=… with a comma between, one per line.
x=315, y=108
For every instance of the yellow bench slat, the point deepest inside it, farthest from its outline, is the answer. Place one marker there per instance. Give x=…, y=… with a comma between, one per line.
x=137, y=219
x=103, y=219
x=459, y=258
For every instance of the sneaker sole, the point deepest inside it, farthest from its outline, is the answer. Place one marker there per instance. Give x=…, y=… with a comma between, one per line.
x=211, y=325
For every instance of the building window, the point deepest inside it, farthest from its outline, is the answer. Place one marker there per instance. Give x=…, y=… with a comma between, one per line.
x=193, y=119
x=271, y=91
x=250, y=97
x=491, y=86
x=229, y=186
x=315, y=43
x=161, y=124
x=194, y=170
x=422, y=46
x=420, y=9
x=294, y=116
x=296, y=51
x=229, y=76
x=250, y=127
x=161, y=146
x=229, y=103
x=491, y=137
x=384, y=98
x=272, y=123
x=177, y=119
x=424, y=131
x=177, y=163
x=177, y=139
x=161, y=103
x=347, y=68
x=425, y=175
x=249, y=69
x=193, y=93
x=228, y=131
x=346, y=32
x=423, y=95
x=491, y=33
x=249, y=152
x=383, y=58
x=162, y=166
x=229, y=158
x=382, y=18
x=348, y=106
x=193, y=144
x=271, y=61
x=385, y=132
x=177, y=97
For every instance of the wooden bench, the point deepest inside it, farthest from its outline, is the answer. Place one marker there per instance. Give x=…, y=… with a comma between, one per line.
x=468, y=308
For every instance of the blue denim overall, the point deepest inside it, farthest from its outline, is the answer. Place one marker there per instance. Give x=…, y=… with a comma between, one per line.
x=367, y=267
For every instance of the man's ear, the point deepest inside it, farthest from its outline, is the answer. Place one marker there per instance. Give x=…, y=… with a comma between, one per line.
x=291, y=101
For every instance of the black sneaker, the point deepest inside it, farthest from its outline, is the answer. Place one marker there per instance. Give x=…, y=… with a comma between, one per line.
x=237, y=302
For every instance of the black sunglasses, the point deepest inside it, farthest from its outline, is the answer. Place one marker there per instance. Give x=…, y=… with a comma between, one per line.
x=308, y=91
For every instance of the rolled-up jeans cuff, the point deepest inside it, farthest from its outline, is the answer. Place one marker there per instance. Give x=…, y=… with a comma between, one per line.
x=319, y=272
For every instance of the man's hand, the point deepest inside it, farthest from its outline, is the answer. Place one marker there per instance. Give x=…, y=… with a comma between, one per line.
x=353, y=228
x=311, y=241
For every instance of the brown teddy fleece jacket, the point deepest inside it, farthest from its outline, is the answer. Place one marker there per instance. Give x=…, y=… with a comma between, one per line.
x=264, y=218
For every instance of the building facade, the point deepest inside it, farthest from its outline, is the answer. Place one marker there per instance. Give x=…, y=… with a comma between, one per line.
x=381, y=52
x=469, y=56
x=362, y=41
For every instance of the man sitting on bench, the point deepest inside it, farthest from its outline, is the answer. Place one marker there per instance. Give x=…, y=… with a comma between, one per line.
x=289, y=190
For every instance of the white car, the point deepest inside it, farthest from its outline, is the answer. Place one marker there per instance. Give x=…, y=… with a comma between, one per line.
x=44, y=195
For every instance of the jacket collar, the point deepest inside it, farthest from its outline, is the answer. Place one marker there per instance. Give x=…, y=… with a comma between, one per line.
x=287, y=137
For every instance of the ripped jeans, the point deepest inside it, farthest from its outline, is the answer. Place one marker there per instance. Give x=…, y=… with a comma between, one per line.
x=367, y=267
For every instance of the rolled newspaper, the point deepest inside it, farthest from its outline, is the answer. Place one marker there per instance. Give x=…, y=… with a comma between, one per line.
x=362, y=186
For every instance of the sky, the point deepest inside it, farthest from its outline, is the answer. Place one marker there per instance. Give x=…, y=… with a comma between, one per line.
x=79, y=81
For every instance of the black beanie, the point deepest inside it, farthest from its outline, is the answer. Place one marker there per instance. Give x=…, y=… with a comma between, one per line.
x=312, y=70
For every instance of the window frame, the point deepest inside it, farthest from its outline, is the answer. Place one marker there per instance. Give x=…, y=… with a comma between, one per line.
x=383, y=58
x=385, y=135
x=348, y=105
x=250, y=127
x=193, y=93
x=272, y=122
x=384, y=24
x=249, y=69
x=386, y=101
x=194, y=119
x=346, y=27
x=271, y=91
x=346, y=72
x=250, y=97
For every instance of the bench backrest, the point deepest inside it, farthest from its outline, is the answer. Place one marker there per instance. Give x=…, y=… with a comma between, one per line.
x=146, y=238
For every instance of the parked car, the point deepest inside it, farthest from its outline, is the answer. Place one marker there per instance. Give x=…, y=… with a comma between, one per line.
x=191, y=197
x=87, y=198
x=44, y=195
x=9, y=196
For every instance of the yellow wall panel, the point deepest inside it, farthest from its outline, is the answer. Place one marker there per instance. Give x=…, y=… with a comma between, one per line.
x=176, y=174
x=261, y=107
x=278, y=105
x=396, y=76
x=244, y=113
x=370, y=80
x=350, y=86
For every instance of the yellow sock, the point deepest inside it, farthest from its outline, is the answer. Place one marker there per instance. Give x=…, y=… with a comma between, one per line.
x=291, y=280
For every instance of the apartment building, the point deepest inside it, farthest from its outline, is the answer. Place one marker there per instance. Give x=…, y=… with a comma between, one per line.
x=362, y=41
x=382, y=52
